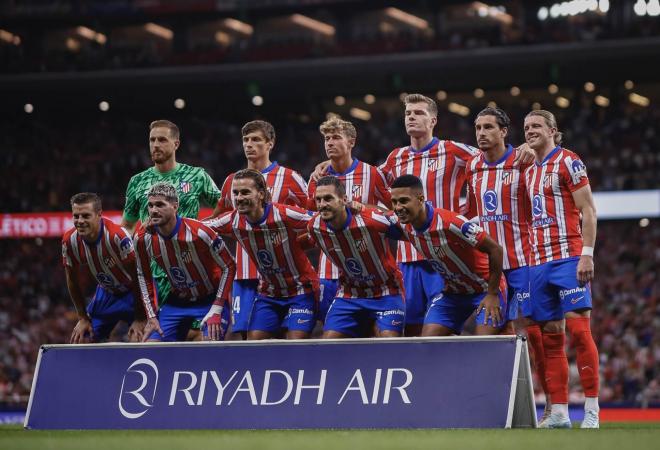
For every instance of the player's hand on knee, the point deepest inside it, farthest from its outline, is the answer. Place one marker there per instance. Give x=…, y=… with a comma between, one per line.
x=213, y=322
x=491, y=307
x=152, y=325
x=82, y=329
x=136, y=331
x=585, y=269
x=320, y=170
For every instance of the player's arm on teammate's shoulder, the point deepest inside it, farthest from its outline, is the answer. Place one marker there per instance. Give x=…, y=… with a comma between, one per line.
x=221, y=224
x=524, y=155
x=83, y=328
x=320, y=170
x=584, y=202
x=491, y=302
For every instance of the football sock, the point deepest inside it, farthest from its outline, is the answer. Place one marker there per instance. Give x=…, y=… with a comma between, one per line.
x=586, y=352
x=556, y=367
x=535, y=339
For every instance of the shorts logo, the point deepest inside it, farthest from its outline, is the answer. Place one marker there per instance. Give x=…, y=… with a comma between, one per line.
x=490, y=201
x=125, y=247
x=522, y=297
x=133, y=404
x=566, y=292
x=437, y=266
x=353, y=266
x=537, y=205
x=396, y=323
x=302, y=321
x=265, y=258
x=356, y=191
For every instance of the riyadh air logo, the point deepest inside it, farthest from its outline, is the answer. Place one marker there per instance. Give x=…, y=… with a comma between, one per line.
x=537, y=206
x=353, y=266
x=490, y=201
x=265, y=258
x=138, y=388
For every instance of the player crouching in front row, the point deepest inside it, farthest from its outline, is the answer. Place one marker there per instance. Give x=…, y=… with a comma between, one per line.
x=197, y=263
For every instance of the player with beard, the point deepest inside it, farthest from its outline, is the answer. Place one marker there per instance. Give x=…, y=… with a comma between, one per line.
x=288, y=287
x=286, y=187
x=197, y=263
x=105, y=250
x=370, y=283
x=194, y=187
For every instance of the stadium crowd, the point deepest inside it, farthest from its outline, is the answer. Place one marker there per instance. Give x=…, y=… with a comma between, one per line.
x=35, y=309
x=356, y=37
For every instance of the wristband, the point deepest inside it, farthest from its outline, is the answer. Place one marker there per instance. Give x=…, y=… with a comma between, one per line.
x=587, y=251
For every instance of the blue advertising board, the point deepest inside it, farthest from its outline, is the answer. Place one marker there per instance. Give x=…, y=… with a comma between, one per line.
x=459, y=382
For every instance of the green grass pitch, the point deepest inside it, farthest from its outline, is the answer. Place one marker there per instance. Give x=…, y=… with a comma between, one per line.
x=615, y=436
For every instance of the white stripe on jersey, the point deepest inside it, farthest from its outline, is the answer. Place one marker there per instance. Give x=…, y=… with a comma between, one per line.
x=146, y=301
x=559, y=206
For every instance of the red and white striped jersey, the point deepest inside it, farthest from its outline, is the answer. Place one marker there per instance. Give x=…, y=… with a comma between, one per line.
x=286, y=186
x=106, y=258
x=365, y=184
x=272, y=244
x=195, y=259
x=447, y=241
x=441, y=167
x=555, y=228
x=499, y=193
x=361, y=251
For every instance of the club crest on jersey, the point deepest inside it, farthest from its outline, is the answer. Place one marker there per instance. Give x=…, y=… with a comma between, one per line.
x=356, y=191
x=432, y=165
x=548, y=180
x=109, y=262
x=490, y=201
x=186, y=256
x=439, y=252
x=507, y=178
x=185, y=187
x=361, y=245
x=274, y=236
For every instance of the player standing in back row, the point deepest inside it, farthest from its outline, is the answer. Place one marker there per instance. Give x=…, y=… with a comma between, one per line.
x=562, y=266
x=285, y=186
x=194, y=186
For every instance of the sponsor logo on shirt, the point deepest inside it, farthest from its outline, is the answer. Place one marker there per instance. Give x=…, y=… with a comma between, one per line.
x=265, y=258
x=490, y=201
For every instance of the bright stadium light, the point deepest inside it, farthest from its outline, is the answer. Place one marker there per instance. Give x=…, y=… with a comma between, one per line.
x=179, y=103
x=459, y=109
x=238, y=26
x=644, y=222
x=340, y=100
x=640, y=8
x=536, y=106
x=629, y=84
x=479, y=93
x=543, y=13
x=554, y=11
x=257, y=100
x=360, y=114
x=159, y=30
x=104, y=106
x=653, y=8
x=369, y=99
x=604, y=5
x=602, y=101
x=562, y=102
x=553, y=89
x=492, y=104
x=9, y=38
x=589, y=86
x=639, y=100
x=441, y=95
x=313, y=24
x=407, y=18
x=28, y=108
x=515, y=91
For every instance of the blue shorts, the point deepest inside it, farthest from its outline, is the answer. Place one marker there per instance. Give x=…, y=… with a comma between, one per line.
x=328, y=292
x=106, y=309
x=518, y=303
x=422, y=284
x=177, y=315
x=555, y=290
x=293, y=313
x=452, y=310
x=243, y=294
x=353, y=317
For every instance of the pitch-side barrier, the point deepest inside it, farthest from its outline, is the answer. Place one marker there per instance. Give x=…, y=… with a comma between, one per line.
x=455, y=382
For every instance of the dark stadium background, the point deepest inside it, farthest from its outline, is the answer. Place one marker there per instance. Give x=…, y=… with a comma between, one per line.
x=234, y=61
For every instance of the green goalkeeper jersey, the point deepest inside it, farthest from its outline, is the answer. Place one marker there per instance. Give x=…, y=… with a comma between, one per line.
x=193, y=185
